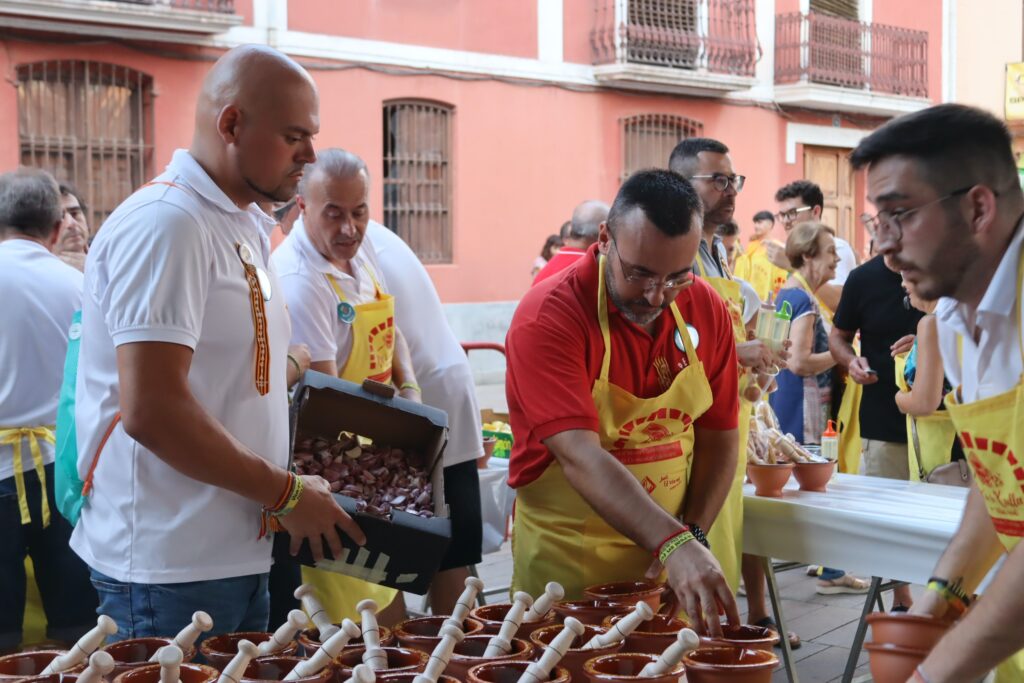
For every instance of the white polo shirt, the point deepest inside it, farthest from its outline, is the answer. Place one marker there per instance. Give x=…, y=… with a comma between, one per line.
x=441, y=367
x=993, y=365
x=847, y=262
x=165, y=268
x=40, y=294
x=312, y=301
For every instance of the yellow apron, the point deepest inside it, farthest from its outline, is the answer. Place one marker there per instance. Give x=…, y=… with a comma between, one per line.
x=556, y=535
x=13, y=436
x=373, y=349
x=935, y=433
x=992, y=433
x=764, y=276
x=726, y=535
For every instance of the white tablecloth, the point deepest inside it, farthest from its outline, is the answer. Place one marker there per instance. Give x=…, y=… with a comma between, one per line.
x=864, y=525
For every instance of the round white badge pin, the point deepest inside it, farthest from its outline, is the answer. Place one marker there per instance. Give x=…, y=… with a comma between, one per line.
x=694, y=337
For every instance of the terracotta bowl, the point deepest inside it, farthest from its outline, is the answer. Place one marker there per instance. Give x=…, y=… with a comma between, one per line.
x=400, y=659
x=651, y=637
x=491, y=616
x=26, y=664
x=190, y=673
x=575, y=657
x=729, y=665
x=892, y=663
x=592, y=612
x=219, y=650
x=410, y=676
x=769, y=479
x=743, y=636
x=422, y=633
x=510, y=672
x=626, y=666
x=136, y=652
x=51, y=678
x=470, y=652
x=814, y=476
x=627, y=592
x=906, y=630
x=274, y=668
x=309, y=640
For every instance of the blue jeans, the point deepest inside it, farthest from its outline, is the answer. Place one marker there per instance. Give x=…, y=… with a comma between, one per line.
x=162, y=609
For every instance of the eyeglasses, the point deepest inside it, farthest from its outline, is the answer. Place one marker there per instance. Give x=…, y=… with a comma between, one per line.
x=884, y=221
x=790, y=216
x=647, y=282
x=721, y=182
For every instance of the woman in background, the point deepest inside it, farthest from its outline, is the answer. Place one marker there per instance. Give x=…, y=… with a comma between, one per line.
x=551, y=247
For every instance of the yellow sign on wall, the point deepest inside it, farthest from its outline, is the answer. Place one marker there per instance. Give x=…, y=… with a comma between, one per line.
x=1014, y=107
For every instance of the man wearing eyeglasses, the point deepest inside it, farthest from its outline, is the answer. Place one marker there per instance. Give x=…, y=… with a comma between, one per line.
x=622, y=391
x=950, y=211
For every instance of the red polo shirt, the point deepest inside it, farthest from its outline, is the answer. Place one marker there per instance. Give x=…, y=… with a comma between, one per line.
x=555, y=350
x=565, y=257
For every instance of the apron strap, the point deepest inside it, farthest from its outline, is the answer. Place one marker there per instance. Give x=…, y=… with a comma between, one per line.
x=826, y=312
x=700, y=263
x=14, y=437
x=337, y=288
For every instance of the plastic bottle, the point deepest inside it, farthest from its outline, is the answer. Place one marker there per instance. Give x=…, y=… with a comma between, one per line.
x=830, y=443
x=765, y=320
x=783, y=319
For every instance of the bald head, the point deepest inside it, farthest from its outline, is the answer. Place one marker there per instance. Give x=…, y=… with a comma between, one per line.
x=255, y=118
x=586, y=221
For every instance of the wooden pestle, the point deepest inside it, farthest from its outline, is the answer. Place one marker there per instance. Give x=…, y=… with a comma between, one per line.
x=553, y=592
x=235, y=669
x=623, y=627
x=465, y=603
x=85, y=646
x=284, y=634
x=373, y=655
x=501, y=644
x=100, y=664
x=306, y=594
x=687, y=641
x=541, y=669
x=187, y=637
x=362, y=674
x=442, y=654
x=170, y=658
x=327, y=652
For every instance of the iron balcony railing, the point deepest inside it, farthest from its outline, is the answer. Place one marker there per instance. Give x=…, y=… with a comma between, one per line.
x=219, y=6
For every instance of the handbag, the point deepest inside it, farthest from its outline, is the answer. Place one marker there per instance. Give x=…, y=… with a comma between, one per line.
x=956, y=473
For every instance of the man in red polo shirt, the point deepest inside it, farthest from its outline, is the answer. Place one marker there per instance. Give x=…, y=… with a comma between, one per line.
x=586, y=219
x=622, y=390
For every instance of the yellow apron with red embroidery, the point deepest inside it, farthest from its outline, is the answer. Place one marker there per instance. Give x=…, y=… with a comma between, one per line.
x=935, y=432
x=557, y=536
x=373, y=349
x=992, y=433
x=726, y=534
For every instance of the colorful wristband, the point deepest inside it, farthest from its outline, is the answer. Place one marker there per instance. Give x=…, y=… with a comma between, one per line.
x=673, y=544
x=957, y=602
x=291, y=359
x=410, y=385
x=293, y=498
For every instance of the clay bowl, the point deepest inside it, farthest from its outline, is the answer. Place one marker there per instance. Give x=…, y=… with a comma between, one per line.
x=510, y=672
x=627, y=593
x=651, y=637
x=814, y=476
x=743, y=636
x=626, y=666
x=592, y=612
x=729, y=665
x=470, y=652
x=914, y=631
x=400, y=660
x=51, y=678
x=492, y=616
x=136, y=652
x=892, y=663
x=410, y=676
x=309, y=640
x=575, y=657
x=422, y=633
x=273, y=668
x=26, y=664
x=769, y=479
x=219, y=650
x=189, y=673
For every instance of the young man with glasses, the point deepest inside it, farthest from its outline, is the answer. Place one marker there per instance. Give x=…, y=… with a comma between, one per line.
x=622, y=391
x=950, y=211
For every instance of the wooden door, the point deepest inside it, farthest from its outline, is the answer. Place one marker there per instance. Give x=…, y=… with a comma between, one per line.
x=830, y=169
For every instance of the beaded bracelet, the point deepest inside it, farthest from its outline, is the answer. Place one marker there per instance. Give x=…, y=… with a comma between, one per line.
x=674, y=543
x=269, y=516
x=957, y=602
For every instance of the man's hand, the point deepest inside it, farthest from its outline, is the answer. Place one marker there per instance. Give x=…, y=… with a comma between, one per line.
x=780, y=357
x=315, y=517
x=776, y=253
x=300, y=352
x=696, y=580
x=754, y=354
x=902, y=345
x=411, y=394
x=861, y=372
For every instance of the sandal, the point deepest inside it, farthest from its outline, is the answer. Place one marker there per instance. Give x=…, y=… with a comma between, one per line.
x=847, y=583
x=769, y=623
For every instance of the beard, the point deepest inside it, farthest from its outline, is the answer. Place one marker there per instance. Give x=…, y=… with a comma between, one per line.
x=636, y=311
x=281, y=193
x=943, y=274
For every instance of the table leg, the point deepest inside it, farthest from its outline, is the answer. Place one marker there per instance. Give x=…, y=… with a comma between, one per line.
x=776, y=600
x=874, y=594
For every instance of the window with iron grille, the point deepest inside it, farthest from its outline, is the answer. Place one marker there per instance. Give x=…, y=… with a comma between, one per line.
x=848, y=9
x=648, y=139
x=417, y=176
x=90, y=125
